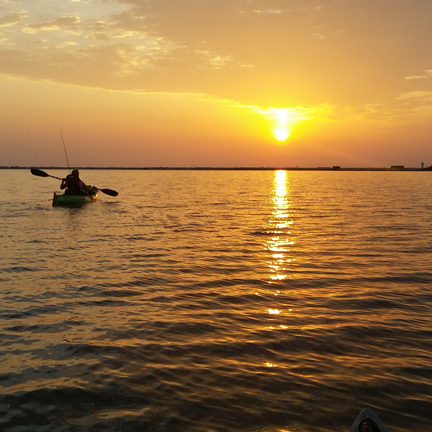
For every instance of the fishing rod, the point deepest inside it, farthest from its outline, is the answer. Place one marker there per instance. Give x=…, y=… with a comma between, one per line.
x=64, y=146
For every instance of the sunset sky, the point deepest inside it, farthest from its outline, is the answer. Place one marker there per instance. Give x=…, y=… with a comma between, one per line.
x=143, y=83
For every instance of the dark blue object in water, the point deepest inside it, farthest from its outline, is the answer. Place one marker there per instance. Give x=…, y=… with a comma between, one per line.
x=368, y=421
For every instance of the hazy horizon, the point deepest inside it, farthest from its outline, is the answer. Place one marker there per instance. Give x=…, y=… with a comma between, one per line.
x=221, y=168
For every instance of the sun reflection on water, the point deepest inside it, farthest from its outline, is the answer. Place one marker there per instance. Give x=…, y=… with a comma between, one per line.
x=279, y=227
x=278, y=257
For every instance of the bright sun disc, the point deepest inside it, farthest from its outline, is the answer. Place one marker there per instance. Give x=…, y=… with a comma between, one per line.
x=281, y=134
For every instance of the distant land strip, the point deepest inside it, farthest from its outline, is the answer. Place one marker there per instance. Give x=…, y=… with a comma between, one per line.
x=396, y=168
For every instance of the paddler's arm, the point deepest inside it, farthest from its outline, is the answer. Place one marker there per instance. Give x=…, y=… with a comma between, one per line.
x=63, y=184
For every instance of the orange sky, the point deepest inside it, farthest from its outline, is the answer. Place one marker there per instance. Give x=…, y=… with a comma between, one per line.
x=208, y=82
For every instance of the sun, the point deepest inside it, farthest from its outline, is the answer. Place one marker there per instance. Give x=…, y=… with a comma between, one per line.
x=281, y=134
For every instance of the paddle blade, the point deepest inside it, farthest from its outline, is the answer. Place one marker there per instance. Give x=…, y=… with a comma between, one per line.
x=39, y=173
x=109, y=192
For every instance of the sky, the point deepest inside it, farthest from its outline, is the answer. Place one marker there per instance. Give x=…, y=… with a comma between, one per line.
x=216, y=83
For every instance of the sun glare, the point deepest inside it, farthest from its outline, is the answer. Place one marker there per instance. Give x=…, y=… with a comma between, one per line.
x=281, y=134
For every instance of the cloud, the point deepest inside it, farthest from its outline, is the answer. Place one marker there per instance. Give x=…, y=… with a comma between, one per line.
x=280, y=115
x=69, y=23
x=214, y=60
x=427, y=75
x=295, y=115
x=268, y=52
x=12, y=19
x=268, y=11
x=416, y=95
x=407, y=108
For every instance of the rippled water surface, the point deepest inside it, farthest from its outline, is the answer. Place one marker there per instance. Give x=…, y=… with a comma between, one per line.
x=216, y=301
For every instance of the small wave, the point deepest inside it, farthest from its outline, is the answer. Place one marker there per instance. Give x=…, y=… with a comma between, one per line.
x=20, y=269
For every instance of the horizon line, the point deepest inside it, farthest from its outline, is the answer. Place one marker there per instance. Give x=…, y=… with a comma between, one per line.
x=276, y=168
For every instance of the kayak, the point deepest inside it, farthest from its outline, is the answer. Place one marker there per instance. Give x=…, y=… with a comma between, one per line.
x=75, y=200
x=368, y=421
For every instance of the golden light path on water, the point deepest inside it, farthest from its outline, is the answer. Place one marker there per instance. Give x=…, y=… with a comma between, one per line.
x=279, y=242
x=280, y=224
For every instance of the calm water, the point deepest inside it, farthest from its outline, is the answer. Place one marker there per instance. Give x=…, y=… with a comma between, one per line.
x=216, y=301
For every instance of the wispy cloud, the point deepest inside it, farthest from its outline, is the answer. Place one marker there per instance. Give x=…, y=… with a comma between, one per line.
x=426, y=75
x=268, y=11
x=68, y=23
x=12, y=19
x=416, y=95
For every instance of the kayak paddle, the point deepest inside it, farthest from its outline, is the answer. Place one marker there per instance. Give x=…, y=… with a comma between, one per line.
x=40, y=173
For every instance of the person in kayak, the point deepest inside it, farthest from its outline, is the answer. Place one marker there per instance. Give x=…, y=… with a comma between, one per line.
x=74, y=185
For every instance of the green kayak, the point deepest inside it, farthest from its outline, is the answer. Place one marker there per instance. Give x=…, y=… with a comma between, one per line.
x=75, y=200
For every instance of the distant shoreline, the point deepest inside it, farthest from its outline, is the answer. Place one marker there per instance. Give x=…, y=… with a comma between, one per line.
x=396, y=168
